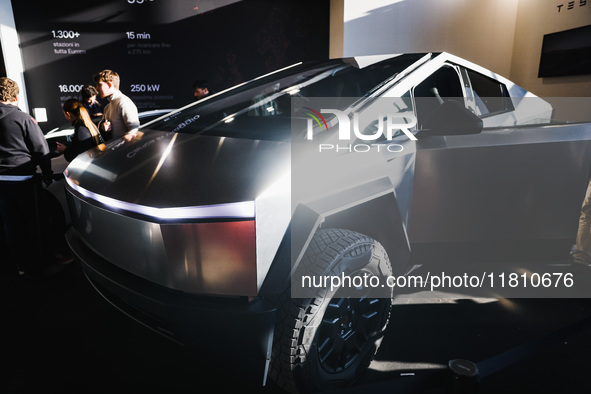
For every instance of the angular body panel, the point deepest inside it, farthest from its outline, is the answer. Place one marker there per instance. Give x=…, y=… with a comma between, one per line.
x=215, y=201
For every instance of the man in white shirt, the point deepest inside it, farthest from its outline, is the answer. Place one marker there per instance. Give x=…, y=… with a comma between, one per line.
x=120, y=115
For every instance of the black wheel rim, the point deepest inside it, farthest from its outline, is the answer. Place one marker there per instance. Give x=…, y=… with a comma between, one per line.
x=349, y=329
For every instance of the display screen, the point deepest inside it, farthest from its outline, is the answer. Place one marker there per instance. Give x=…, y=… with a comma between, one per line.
x=160, y=47
x=566, y=53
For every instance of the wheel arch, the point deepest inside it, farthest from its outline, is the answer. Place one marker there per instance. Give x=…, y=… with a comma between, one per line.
x=370, y=208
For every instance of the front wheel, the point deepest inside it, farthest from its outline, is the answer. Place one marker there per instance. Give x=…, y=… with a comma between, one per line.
x=327, y=340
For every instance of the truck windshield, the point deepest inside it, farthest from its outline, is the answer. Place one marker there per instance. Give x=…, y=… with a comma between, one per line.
x=261, y=108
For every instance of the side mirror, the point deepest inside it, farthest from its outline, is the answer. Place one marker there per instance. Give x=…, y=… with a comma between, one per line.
x=452, y=118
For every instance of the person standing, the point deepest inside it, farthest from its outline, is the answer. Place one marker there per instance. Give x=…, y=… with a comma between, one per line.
x=90, y=102
x=86, y=134
x=22, y=149
x=581, y=254
x=120, y=115
x=200, y=89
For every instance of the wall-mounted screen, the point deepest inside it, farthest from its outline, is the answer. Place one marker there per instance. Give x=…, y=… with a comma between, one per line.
x=566, y=53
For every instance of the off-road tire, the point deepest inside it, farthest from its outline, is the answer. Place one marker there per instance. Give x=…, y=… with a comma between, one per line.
x=328, y=340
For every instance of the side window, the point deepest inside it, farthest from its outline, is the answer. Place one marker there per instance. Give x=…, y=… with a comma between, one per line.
x=444, y=84
x=491, y=97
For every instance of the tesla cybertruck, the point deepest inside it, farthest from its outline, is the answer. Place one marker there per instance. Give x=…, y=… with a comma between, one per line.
x=225, y=224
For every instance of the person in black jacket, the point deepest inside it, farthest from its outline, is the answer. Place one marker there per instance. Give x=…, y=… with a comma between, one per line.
x=22, y=149
x=86, y=134
x=90, y=102
x=200, y=89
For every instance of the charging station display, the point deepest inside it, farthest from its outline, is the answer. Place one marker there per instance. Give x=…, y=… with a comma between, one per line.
x=159, y=48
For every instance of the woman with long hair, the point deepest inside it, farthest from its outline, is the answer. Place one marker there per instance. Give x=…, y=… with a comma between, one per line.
x=86, y=134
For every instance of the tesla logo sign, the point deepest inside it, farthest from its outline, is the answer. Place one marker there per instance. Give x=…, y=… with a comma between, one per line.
x=389, y=128
x=572, y=4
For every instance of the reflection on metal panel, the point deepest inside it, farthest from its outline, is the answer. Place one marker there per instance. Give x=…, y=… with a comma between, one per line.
x=201, y=258
x=212, y=258
x=494, y=186
x=129, y=243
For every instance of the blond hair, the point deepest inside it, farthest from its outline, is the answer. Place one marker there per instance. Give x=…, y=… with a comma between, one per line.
x=108, y=76
x=77, y=109
x=8, y=90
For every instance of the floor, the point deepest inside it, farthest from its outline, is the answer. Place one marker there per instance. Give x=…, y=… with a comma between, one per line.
x=59, y=336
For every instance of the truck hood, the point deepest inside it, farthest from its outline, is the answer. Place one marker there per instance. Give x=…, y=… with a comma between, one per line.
x=173, y=170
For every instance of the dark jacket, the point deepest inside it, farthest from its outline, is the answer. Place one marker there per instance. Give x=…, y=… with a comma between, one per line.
x=94, y=109
x=82, y=141
x=22, y=144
